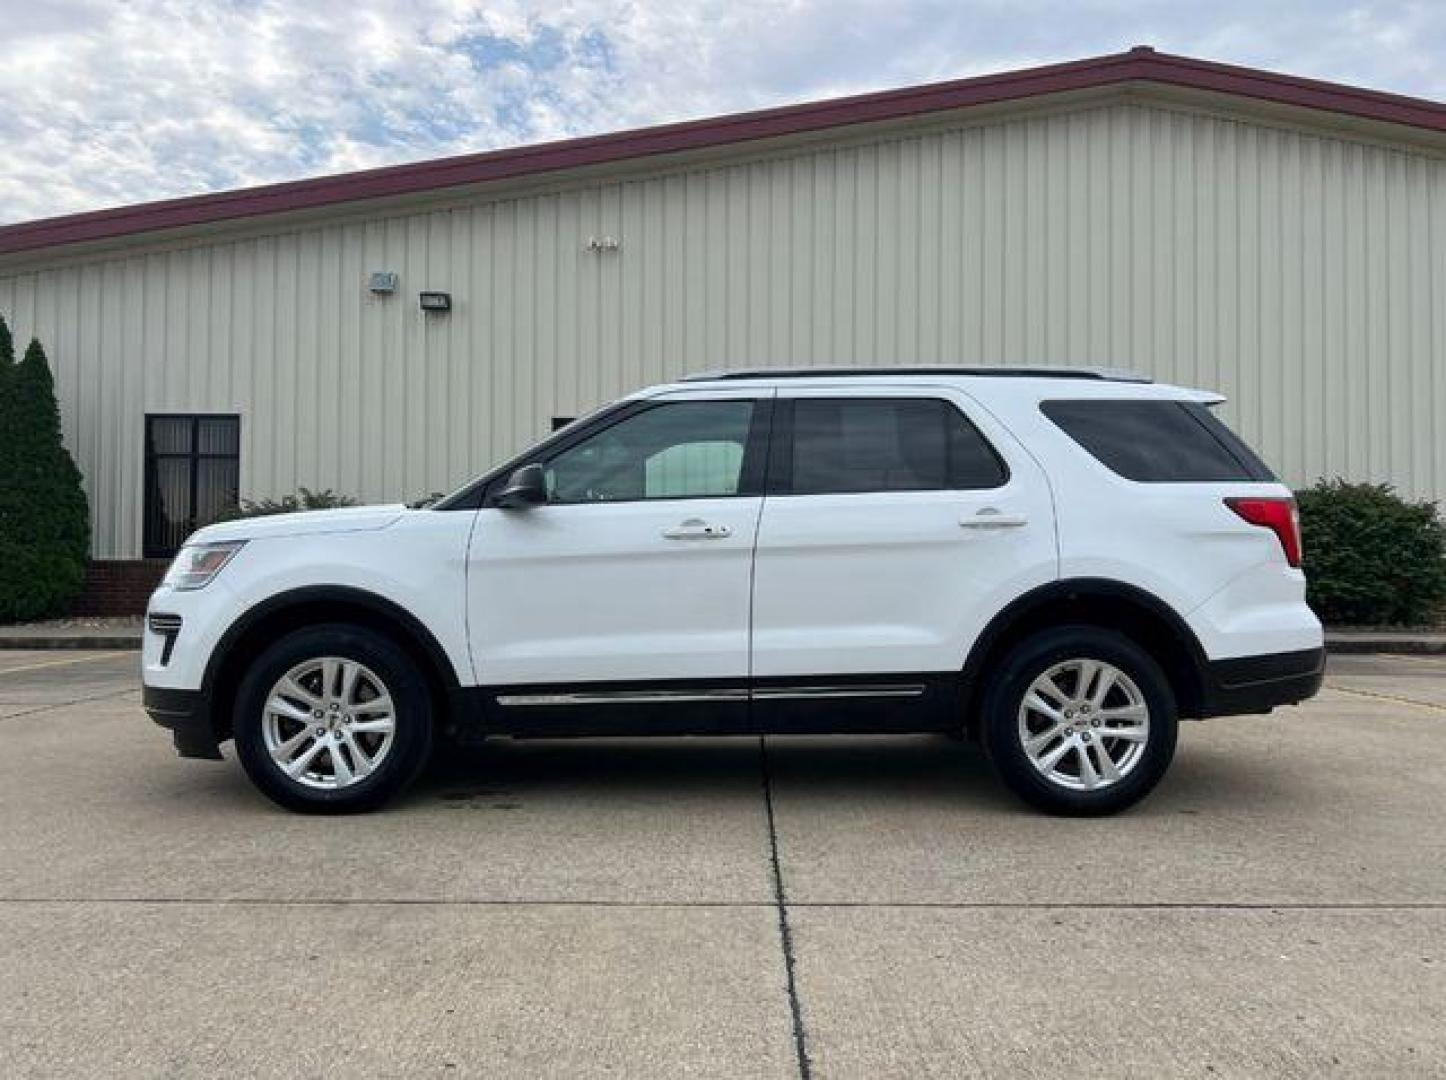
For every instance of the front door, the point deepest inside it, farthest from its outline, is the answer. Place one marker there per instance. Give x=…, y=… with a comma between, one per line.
x=624, y=599
x=897, y=522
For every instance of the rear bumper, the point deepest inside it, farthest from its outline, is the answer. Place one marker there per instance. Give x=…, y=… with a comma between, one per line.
x=187, y=715
x=1256, y=684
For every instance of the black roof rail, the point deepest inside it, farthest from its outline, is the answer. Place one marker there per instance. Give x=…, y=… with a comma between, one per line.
x=1000, y=372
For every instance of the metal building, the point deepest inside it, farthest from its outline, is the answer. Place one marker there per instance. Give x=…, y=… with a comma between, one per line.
x=1279, y=239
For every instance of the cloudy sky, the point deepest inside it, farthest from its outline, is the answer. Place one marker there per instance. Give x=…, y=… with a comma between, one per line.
x=106, y=102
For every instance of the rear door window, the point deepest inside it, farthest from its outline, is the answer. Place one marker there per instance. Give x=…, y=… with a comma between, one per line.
x=1158, y=441
x=854, y=445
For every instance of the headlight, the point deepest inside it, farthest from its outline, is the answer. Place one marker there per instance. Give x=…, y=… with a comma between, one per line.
x=197, y=564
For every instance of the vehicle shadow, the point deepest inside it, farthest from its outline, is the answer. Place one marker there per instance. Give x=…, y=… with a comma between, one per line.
x=666, y=766
x=920, y=770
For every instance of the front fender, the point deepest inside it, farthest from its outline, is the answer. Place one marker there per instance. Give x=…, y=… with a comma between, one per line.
x=413, y=571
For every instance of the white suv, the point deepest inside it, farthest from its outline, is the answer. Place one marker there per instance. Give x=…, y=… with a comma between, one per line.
x=1058, y=563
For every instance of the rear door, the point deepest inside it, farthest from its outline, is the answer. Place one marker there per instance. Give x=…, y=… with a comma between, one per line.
x=897, y=523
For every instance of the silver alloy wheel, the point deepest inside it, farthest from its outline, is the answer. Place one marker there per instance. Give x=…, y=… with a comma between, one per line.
x=1084, y=724
x=329, y=722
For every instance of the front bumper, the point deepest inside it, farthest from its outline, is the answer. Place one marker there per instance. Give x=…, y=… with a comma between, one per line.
x=1256, y=684
x=187, y=715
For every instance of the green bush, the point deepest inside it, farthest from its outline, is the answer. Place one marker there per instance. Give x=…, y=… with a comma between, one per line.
x=304, y=499
x=44, y=519
x=1371, y=557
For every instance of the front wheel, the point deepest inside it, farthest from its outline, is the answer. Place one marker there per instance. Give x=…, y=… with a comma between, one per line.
x=1079, y=720
x=333, y=719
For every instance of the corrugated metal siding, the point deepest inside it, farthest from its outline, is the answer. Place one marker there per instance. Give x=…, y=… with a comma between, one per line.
x=1303, y=276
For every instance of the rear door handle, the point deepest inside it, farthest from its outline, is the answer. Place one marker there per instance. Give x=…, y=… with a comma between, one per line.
x=990, y=518
x=697, y=529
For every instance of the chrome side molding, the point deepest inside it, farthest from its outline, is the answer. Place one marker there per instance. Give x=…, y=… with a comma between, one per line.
x=669, y=697
x=623, y=697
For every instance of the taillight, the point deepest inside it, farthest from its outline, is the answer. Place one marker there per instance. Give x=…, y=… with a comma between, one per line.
x=1277, y=515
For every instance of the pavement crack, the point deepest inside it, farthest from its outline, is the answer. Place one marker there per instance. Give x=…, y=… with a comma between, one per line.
x=66, y=704
x=785, y=932
x=1380, y=696
x=656, y=905
x=386, y=901
x=1124, y=905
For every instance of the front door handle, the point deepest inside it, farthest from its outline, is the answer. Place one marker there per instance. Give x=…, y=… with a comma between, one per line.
x=697, y=529
x=990, y=518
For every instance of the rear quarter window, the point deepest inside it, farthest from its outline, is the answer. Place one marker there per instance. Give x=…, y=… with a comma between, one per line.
x=1158, y=441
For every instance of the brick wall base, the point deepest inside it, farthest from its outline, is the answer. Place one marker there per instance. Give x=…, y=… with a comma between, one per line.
x=118, y=586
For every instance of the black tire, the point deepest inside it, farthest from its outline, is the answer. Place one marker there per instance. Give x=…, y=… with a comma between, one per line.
x=404, y=759
x=1004, y=697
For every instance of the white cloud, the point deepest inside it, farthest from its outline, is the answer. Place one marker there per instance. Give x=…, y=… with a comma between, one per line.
x=103, y=103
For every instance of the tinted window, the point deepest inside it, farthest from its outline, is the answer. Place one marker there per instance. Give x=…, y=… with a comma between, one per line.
x=1158, y=441
x=888, y=444
x=680, y=450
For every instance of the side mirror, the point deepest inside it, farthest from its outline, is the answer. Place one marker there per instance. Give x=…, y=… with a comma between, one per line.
x=526, y=487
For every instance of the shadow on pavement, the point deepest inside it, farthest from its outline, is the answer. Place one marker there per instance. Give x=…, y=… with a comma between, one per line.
x=924, y=771
x=920, y=772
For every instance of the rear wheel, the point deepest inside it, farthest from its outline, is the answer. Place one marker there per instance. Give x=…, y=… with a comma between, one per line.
x=1079, y=720
x=333, y=719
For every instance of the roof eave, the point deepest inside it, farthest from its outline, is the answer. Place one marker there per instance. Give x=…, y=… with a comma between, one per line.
x=1139, y=65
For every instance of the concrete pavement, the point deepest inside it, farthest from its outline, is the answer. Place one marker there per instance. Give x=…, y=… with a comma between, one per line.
x=582, y=908
x=145, y=989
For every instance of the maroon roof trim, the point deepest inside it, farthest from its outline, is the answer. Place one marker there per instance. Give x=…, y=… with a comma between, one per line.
x=1139, y=64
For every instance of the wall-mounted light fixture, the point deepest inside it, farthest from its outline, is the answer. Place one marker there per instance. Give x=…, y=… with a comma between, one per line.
x=382, y=282
x=436, y=301
x=602, y=243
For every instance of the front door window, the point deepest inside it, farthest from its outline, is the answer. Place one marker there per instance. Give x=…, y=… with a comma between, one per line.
x=678, y=450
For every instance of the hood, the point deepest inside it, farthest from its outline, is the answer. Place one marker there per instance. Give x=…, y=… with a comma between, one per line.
x=303, y=523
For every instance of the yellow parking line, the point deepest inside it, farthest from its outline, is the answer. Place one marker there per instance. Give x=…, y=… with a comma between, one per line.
x=1387, y=697
x=60, y=663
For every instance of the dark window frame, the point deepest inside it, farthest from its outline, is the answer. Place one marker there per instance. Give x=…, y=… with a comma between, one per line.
x=149, y=548
x=780, y=458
